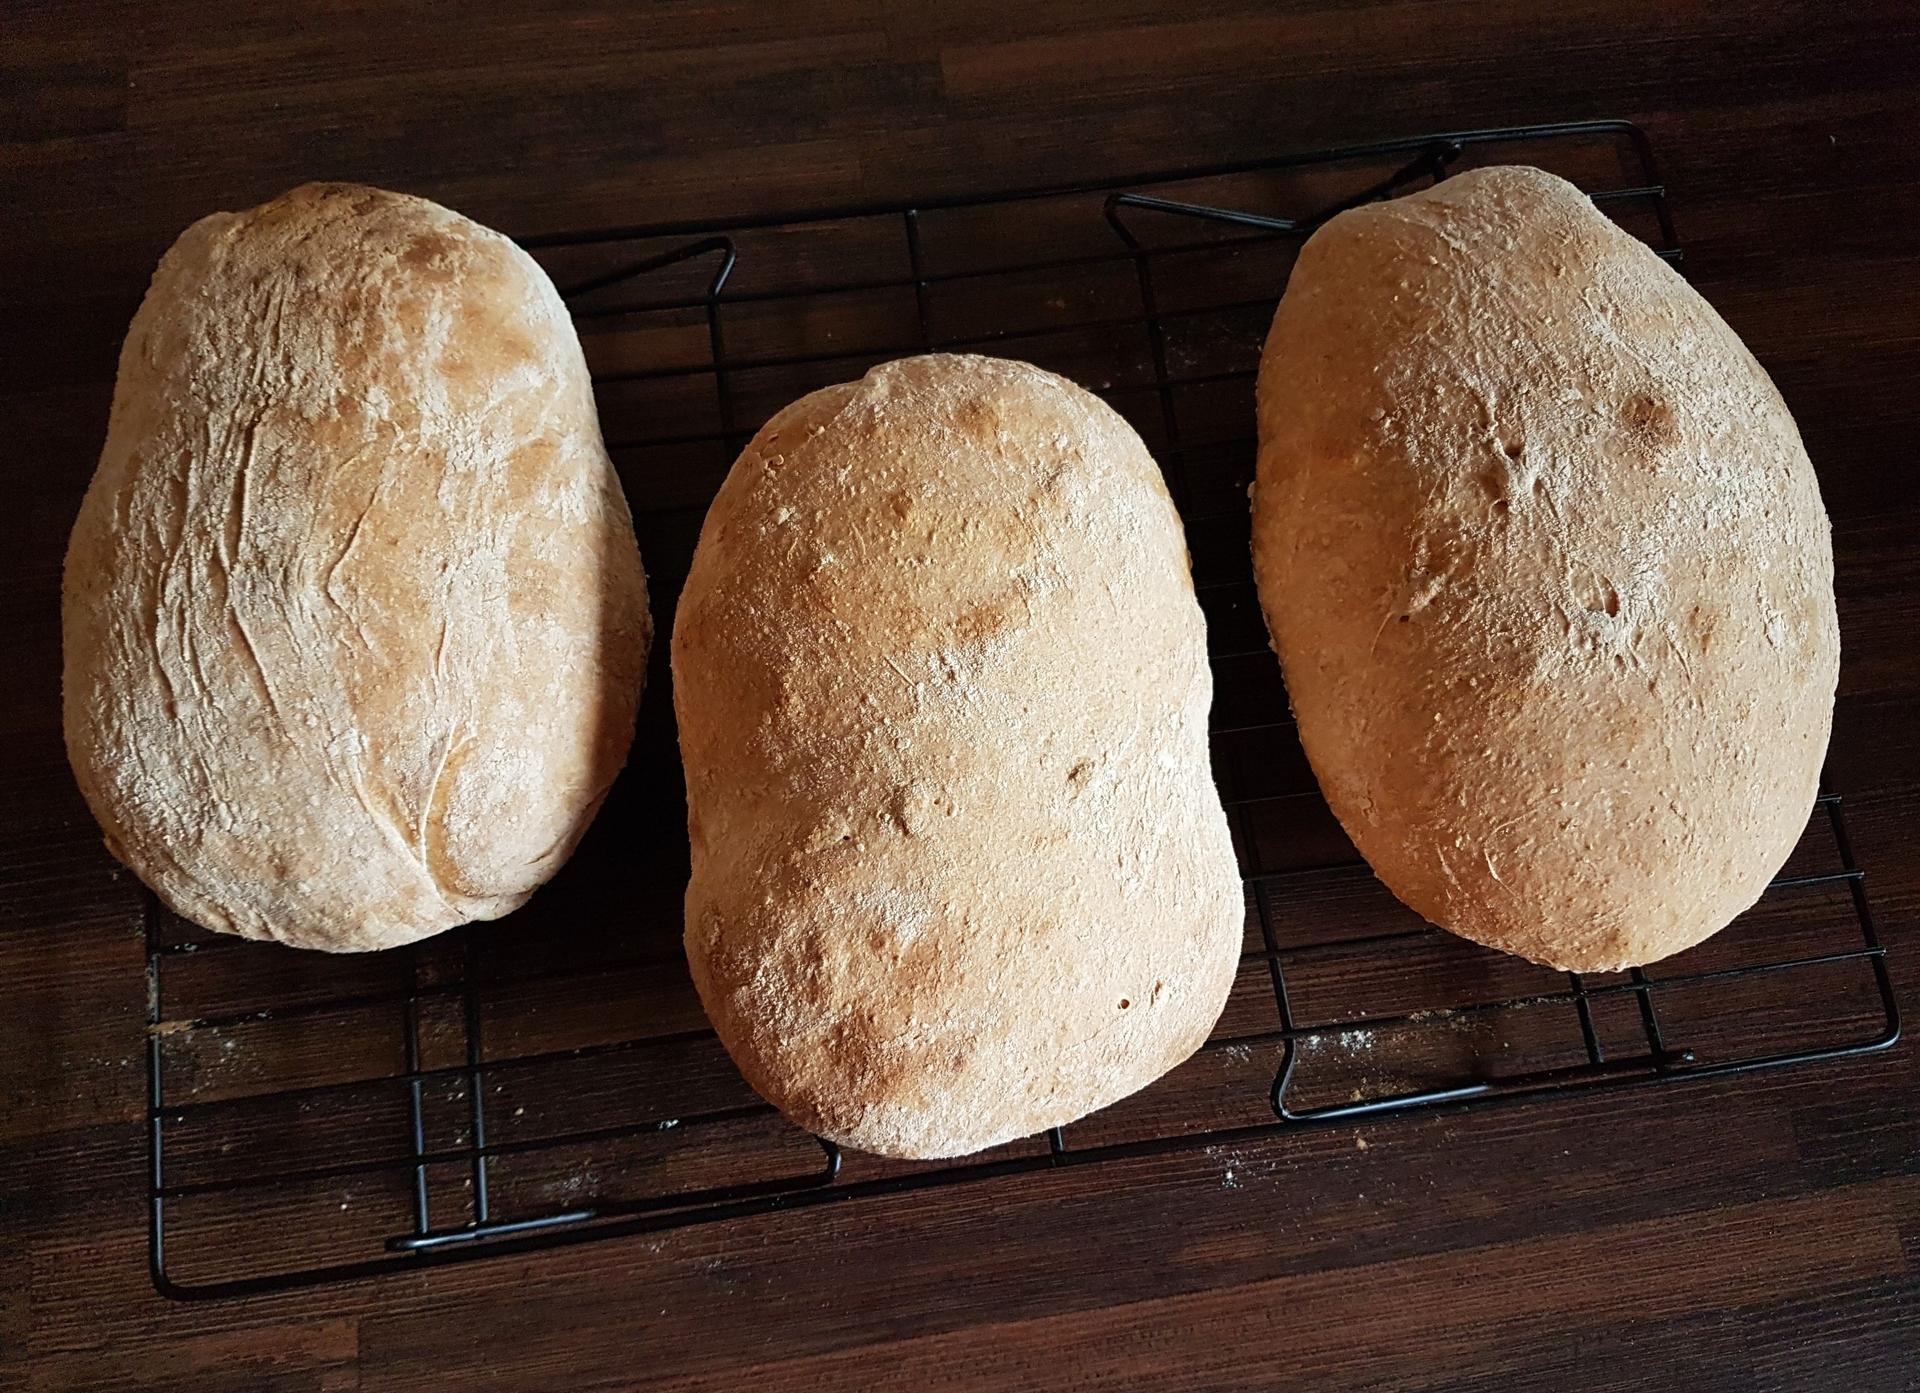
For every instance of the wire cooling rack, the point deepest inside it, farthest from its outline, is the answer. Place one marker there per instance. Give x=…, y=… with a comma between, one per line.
x=550, y=1078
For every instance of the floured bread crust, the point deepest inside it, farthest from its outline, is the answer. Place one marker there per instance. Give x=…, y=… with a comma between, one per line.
x=960, y=872
x=354, y=621
x=1547, y=569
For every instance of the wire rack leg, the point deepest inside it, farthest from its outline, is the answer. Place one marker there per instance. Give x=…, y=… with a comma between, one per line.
x=416, y=1110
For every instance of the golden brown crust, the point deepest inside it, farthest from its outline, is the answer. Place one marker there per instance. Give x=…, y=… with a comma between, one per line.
x=959, y=869
x=354, y=621
x=1547, y=569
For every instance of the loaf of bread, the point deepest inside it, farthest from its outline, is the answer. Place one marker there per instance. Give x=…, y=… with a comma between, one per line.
x=354, y=621
x=1547, y=570
x=959, y=869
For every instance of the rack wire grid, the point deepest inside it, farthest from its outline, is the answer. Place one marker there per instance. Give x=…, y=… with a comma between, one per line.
x=551, y=1079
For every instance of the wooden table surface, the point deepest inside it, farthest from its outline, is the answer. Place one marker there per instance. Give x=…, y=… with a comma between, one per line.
x=1758, y=1233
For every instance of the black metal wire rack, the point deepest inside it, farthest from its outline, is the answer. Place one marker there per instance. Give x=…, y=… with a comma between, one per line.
x=550, y=1079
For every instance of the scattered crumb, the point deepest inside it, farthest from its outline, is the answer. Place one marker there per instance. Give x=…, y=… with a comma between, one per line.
x=570, y=1188
x=1236, y=1171
x=1359, y=1143
x=519, y=1112
x=1349, y=1040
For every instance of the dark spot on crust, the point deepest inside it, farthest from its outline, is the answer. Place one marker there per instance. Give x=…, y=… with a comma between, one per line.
x=992, y=619
x=1649, y=419
x=1124, y=1003
x=428, y=249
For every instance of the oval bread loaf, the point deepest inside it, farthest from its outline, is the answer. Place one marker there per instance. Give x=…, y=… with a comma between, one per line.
x=959, y=869
x=354, y=621
x=1547, y=569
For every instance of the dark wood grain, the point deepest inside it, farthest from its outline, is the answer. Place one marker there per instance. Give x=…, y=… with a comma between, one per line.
x=1764, y=1234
